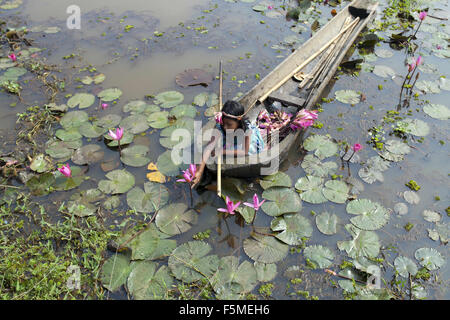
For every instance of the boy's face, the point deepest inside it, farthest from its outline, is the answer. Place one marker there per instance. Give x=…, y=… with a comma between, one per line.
x=229, y=124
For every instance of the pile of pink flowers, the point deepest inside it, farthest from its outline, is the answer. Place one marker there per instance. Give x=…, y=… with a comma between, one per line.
x=280, y=119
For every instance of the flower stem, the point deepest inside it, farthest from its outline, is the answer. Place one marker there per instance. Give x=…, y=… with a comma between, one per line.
x=192, y=199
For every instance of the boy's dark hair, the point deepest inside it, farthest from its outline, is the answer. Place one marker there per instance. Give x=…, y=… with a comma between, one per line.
x=234, y=108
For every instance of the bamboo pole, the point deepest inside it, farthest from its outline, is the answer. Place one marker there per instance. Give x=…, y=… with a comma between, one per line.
x=304, y=63
x=219, y=156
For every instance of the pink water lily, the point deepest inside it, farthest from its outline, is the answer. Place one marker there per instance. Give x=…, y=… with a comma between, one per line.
x=411, y=66
x=356, y=147
x=256, y=204
x=116, y=135
x=104, y=106
x=438, y=47
x=422, y=15
x=419, y=61
x=189, y=174
x=231, y=206
x=13, y=57
x=65, y=170
x=270, y=7
x=218, y=117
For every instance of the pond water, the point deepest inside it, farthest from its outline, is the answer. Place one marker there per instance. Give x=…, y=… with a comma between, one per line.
x=141, y=63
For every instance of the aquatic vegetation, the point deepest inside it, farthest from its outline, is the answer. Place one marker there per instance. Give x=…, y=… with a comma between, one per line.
x=65, y=170
x=413, y=185
x=231, y=206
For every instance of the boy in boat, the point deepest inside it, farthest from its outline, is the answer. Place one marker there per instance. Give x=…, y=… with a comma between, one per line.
x=232, y=118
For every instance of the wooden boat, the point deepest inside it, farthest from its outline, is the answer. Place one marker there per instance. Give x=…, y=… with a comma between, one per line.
x=319, y=58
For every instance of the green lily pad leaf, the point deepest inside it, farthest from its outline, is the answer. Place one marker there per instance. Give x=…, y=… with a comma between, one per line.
x=314, y=167
x=135, y=156
x=265, y=272
x=71, y=134
x=259, y=8
x=81, y=209
x=39, y=164
x=401, y=208
x=327, y=223
x=370, y=215
x=397, y=147
x=201, y=99
x=81, y=100
x=115, y=272
x=389, y=156
x=190, y=262
x=247, y=213
x=378, y=163
x=134, y=124
x=278, y=179
x=311, y=189
x=151, y=244
x=429, y=258
x=159, y=120
x=411, y=197
x=405, y=266
x=99, y=78
x=336, y=191
x=175, y=219
x=109, y=94
x=88, y=154
x=363, y=244
x=211, y=110
x=213, y=100
x=280, y=200
x=437, y=111
x=293, y=228
x=169, y=99
x=119, y=181
x=414, y=126
x=383, y=53
x=444, y=84
x=426, y=86
x=166, y=166
x=152, y=198
x=383, y=71
x=13, y=74
x=370, y=175
x=428, y=68
x=265, y=249
x=167, y=134
x=348, y=96
x=73, y=119
x=321, y=255
x=183, y=110
x=431, y=216
x=64, y=183
x=39, y=185
x=442, y=232
x=145, y=283
x=232, y=280
x=136, y=106
x=89, y=130
x=127, y=138
x=90, y=195
x=6, y=63
x=111, y=203
x=356, y=187
x=109, y=121
x=322, y=146
x=59, y=150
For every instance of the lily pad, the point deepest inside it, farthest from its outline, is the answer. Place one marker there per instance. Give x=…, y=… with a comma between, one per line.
x=389, y=156
x=322, y=146
x=397, y=147
x=89, y=130
x=314, y=167
x=152, y=198
x=437, y=111
x=348, y=96
x=378, y=163
x=73, y=119
x=265, y=249
x=109, y=121
x=327, y=223
x=115, y=272
x=401, y=208
x=81, y=209
x=265, y=271
x=110, y=94
x=166, y=166
x=428, y=86
x=119, y=181
x=201, y=99
x=336, y=191
x=411, y=197
x=88, y=154
x=370, y=175
x=111, y=203
x=414, y=126
x=135, y=106
x=363, y=244
x=280, y=200
x=278, y=179
x=194, y=77
x=59, y=150
x=39, y=185
x=134, y=124
x=70, y=134
x=405, y=266
x=321, y=255
x=145, y=283
x=81, y=100
x=383, y=71
x=40, y=164
x=431, y=216
x=159, y=120
x=429, y=258
x=293, y=228
x=135, y=156
x=311, y=189
x=370, y=215
x=170, y=139
x=169, y=99
x=175, y=219
x=64, y=183
x=183, y=110
x=190, y=262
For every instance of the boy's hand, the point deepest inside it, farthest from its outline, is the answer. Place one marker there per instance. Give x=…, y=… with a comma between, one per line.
x=197, y=178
